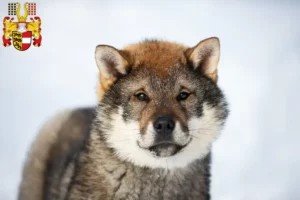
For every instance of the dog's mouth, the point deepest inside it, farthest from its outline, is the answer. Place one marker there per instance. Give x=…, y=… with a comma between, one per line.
x=165, y=149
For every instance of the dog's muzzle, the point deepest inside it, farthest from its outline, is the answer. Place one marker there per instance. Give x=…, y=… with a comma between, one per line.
x=164, y=145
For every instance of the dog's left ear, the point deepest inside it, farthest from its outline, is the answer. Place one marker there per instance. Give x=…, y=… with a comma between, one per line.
x=111, y=64
x=205, y=57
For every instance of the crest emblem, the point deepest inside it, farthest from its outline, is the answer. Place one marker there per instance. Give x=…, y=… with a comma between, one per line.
x=22, y=33
x=22, y=41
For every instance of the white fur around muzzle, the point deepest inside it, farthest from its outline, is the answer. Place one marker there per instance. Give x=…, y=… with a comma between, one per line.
x=124, y=137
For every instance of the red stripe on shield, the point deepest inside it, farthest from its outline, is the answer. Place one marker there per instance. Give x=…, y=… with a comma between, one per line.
x=25, y=46
x=26, y=34
x=26, y=40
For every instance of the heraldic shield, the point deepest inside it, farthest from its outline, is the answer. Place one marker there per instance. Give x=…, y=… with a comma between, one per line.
x=22, y=40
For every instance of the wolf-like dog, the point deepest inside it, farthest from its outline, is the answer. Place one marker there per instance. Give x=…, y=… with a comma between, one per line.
x=150, y=136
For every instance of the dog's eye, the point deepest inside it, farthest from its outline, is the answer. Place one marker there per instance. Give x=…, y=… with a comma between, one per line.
x=183, y=96
x=142, y=97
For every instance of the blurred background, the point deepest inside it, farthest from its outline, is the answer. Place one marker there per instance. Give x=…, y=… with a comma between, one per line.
x=258, y=154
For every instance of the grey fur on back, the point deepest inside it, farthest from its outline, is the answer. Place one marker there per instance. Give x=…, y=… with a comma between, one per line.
x=54, y=142
x=66, y=162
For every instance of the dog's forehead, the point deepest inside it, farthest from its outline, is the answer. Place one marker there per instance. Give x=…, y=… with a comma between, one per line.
x=157, y=56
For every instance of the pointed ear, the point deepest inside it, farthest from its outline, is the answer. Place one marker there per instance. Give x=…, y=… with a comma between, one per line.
x=205, y=57
x=111, y=65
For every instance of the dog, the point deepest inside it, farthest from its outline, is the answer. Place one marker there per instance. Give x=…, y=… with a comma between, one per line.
x=150, y=136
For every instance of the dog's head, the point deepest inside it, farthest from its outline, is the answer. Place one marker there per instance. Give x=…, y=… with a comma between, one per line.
x=160, y=105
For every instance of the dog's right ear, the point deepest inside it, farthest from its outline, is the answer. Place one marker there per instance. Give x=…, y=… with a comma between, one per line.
x=111, y=65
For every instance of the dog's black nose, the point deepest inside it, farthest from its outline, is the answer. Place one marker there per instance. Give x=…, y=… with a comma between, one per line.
x=164, y=125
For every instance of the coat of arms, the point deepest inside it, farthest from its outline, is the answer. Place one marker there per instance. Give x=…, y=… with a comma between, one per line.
x=22, y=33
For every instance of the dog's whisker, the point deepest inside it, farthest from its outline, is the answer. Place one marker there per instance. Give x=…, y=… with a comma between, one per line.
x=167, y=164
x=129, y=129
x=198, y=129
x=125, y=140
x=195, y=137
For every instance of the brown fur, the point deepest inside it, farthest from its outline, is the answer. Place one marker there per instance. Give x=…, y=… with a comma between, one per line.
x=157, y=56
x=160, y=57
x=104, y=85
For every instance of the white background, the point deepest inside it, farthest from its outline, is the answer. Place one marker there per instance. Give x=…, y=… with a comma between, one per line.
x=258, y=153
